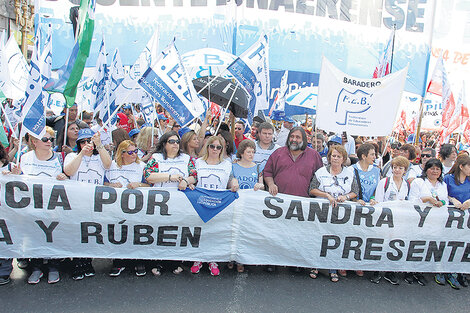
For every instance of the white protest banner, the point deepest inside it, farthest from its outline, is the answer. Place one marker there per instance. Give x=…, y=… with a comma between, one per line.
x=363, y=107
x=14, y=70
x=41, y=218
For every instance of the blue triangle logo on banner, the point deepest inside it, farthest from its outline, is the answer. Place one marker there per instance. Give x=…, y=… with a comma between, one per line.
x=209, y=203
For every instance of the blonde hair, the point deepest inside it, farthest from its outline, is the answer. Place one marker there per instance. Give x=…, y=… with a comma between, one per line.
x=122, y=147
x=143, y=137
x=400, y=161
x=205, y=150
x=33, y=139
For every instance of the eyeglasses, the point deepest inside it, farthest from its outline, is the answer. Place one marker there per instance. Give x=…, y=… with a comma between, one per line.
x=87, y=140
x=238, y=128
x=46, y=139
x=426, y=155
x=395, y=146
x=173, y=141
x=214, y=147
x=131, y=152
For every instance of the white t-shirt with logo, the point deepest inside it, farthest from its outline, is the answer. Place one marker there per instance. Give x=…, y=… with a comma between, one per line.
x=91, y=170
x=213, y=176
x=31, y=165
x=335, y=185
x=175, y=166
x=262, y=155
x=130, y=173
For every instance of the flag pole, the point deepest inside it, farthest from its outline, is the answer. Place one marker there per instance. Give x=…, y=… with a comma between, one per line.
x=66, y=122
x=420, y=116
x=225, y=109
x=7, y=119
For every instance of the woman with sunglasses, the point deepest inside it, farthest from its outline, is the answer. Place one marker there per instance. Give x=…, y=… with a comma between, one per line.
x=126, y=171
x=42, y=161
x=214, y=172
x=169, y=167
x=337, y=184
x=88, y=165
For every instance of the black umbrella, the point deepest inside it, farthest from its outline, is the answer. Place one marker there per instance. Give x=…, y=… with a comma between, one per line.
x=221, y=91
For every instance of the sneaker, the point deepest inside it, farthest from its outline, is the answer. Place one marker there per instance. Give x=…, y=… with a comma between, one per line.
x=375, y=278
x=214, y=268
x=78, y=273
x=196, y=267
x=452, y=280
x=88, y=270
x=440, y=279
x=4, y=280
x=53, y=276
x=22, y=263
x=116, y=271
x=140, y=270
x=462, y=279
x=391, y=278
x=408, y=277
x=35, y=277
x=178, y=270
x=420, y=279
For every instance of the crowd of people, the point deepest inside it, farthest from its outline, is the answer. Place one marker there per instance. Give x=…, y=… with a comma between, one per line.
x=290, y=159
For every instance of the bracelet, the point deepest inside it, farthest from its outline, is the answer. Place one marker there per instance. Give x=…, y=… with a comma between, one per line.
x=347, y=196
x=443, y=202
x=169, y=177
x=187, y=183
x=372, y=198
x=99, y=147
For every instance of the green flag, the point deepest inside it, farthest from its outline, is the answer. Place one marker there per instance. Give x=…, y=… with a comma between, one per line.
x=3, y=135
x=81, y=50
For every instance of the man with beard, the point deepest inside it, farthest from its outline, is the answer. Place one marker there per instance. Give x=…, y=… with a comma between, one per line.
x=290, y=169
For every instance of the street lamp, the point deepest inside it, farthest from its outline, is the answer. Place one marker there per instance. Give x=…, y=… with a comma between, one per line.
x=24, y=11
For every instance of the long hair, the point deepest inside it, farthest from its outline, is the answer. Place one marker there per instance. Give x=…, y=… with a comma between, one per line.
x=121, y=148
x=229, y=145
x=304, y=137
x=144, y=136
x=461, y=160
x=162, y=142
x=185, y=139
x=205, y=150
x=430, y=163
x=61, y=134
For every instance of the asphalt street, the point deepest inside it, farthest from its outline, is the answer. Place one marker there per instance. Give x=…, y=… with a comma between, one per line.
x=252, y=291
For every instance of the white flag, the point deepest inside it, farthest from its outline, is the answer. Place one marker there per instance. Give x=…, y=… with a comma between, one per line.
x=14, y=70
x=98, y=91
x=129, y=84
x=363, y=107
x=168, y=82
x=115, y=77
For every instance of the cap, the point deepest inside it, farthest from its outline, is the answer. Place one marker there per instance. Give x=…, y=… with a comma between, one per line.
x=146, y=125
x=85, y=133
x=133, y=132
x=127, y=106
x=183, y=131
x=162, y=117
x=288, y=119
x=336, y=139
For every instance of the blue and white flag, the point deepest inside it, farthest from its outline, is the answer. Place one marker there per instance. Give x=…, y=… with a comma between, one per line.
x=147, y=107
x=301, y=101
x=167, y=81
x=100, y=78
x=116, y=75
x=14, y=70
x=209, y=203
x=129, y=90
x=278, y=105
x=251, y=69
x=34, y=119
x=45, y=62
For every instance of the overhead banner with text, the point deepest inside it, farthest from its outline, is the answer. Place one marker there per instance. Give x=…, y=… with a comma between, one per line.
x=40, y=218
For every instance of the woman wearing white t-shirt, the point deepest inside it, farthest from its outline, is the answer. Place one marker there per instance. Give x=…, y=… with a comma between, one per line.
x=126, y=171
x=213, y=172
x=42, y=161
x=87, y=165
x=169, y=167
x=391, y=189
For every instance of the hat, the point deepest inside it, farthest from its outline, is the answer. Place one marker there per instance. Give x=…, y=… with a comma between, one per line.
x=288, y=119
x=207, y=134
x=162, y=117
x=133, y=132
x=183, y=131
x=127, y=106
x=336, y=139
x=146, y=125
x=85, y=133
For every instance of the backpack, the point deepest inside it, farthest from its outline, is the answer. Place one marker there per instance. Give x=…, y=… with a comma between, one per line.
x=387, y=184
x=356, y=174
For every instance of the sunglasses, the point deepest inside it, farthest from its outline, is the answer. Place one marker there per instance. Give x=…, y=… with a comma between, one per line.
x=131, y=152
x=88, y=140
x=173, y=141
x=395, y=146
x=426, y=155
x=214, y=147
x=238, y=128
x=46, y=139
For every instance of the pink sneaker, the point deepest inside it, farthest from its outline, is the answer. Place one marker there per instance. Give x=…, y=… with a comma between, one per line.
x=214, y=268
x=196, y=267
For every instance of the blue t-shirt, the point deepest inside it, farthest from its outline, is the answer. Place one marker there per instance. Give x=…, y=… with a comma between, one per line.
x=247, y=177
x=460, y=192
x=369, y=180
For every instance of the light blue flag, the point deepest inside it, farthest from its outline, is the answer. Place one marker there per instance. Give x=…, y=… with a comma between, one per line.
x=33, y=117
x=115, y=77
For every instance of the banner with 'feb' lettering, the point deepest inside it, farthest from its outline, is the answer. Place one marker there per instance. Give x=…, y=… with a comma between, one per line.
x=363, y=107
x=40, y=218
